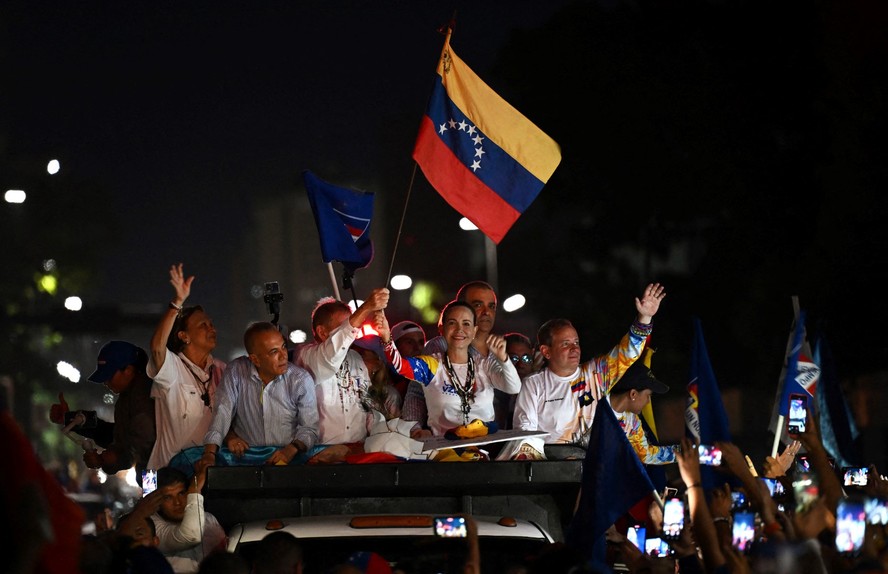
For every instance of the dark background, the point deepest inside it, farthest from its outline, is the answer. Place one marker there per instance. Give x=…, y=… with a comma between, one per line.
x=733, y=151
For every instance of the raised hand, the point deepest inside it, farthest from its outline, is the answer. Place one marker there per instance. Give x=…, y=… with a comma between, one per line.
x=180, y=283
x=775, y=467
x=497, y=346
x=57, y=411
x=649, y=303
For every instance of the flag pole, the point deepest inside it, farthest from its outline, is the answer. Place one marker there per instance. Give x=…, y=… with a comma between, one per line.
x=401, y=225
x=778, y=430
x=333, y=280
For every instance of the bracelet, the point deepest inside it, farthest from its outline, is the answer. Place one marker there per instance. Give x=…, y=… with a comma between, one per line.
x=725, y=519
x=695, y=485
x=175, y=307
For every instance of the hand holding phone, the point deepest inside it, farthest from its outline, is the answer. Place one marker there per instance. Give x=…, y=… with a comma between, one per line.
x=743, y=530
x=798, y=413
x=149, y=481
x=850, y=526
x=855, y=476
x=637, y=535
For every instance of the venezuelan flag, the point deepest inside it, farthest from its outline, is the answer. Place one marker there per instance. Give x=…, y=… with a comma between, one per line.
x=486, y=160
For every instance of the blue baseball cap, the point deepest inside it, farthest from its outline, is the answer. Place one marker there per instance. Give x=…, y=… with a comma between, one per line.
x=114, y=356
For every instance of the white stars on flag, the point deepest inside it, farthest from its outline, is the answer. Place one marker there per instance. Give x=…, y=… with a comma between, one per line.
x=474, y=135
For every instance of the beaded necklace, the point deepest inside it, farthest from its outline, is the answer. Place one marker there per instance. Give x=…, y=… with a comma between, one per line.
x=344, y=383
x=466, y=392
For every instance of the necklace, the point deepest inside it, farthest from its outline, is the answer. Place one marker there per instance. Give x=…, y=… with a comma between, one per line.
x=203, y=385
x=344, y=382
x=465, y=391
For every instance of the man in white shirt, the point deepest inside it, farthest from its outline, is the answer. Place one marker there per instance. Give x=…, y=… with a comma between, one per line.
x=340, y=376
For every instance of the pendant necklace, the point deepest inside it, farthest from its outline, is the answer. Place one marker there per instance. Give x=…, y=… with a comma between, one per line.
x=466, y=392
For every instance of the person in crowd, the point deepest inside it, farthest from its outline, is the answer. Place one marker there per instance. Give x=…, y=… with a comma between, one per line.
x=265, y=399
x=121, y=368
x=627, y=398
x=561, y=399
x=185, y=373
x=384, y=394
x=409, y=338
x=278, y=553
x=186, y=531
x=520, y=352
x=457, y=387
x=341, y=378
x=482, y=299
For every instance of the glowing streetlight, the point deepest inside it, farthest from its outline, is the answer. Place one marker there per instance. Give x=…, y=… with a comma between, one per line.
x=53, y=167
x=514, y=303
x=401, y=282
x=467, y=225
x=14, y=196
x=73, y=303
x=298, y=336
x=68, y=371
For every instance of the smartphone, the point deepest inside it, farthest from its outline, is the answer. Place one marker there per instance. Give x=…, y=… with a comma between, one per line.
x=803, y=463
x=855, y=475
x=798, y=413
x=850, y=526
x=149, y=481
x=739, y=500
x=637, y=535
x=673, y=518
x=669, y=492
x=775, y=487
x=743, y=530
x=450, y=527
x=710, y=455
x=876, y=511
x=657, y=548
x=806, y=491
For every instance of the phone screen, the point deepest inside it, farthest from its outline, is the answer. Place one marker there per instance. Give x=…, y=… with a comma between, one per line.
x=856, y=476
x=739, y=499
x=673, y=518
x=803, y=463
x=637, y=535
x=451, y=527
x=657, y=548
x=876, y=511
x=806, y=491
x=710, y=455
x=775, y=487
x=850, y=526
x=743, y=530
x=798, y=413
x=149, y=481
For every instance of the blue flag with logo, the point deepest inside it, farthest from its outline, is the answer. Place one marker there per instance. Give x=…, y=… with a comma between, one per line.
x=614, y=480
x=343, y=219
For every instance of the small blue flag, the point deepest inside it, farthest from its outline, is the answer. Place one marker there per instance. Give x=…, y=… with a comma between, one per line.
x=343, y=219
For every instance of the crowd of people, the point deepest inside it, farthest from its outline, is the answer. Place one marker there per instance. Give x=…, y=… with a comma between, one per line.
x=181, y=410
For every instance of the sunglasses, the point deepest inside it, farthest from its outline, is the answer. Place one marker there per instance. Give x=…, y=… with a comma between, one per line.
x=525, y=358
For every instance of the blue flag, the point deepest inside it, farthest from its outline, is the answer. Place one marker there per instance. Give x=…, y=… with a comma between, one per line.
x=613, y=481
x=707, y=421
x=801, y=372
x=343, y=219
x=837, y=427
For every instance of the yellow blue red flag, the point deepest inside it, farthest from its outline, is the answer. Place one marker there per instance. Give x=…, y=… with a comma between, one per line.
x=486, y=160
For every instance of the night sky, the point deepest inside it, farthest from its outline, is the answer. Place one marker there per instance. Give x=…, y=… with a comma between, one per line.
x=733, y=151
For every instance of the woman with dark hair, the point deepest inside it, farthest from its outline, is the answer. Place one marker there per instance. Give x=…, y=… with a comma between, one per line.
x=185, y=374
x=454, y=388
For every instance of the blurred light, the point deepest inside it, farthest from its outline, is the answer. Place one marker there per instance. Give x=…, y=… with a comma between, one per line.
x=68, y=371
x=429, y=315
x=14, y=196
x=48, y=283
x=514, y=303
x=73, y=304
x=130, y=477
x=401, y=282
x=421, y=297
x=369, y=330
x=298, y=336
x=353, y=304
x=108, y=398
x=49, y=265
x=257, y=291
x=467, y=225
x=53, y=166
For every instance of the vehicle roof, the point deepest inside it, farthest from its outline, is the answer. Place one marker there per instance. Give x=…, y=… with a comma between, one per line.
x=378, y=525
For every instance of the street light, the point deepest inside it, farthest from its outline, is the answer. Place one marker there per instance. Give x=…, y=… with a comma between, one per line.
x=53, y=167
x=401, y=282
x=73, y=303
x=467, y=225
x=68, y=371
x=514, y=303
x=14, y=196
